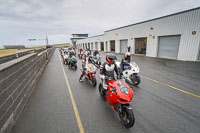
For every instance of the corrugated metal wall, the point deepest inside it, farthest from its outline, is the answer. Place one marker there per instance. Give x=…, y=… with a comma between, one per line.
x=180, y=24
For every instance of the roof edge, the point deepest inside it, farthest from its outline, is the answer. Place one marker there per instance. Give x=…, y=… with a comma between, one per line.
x=155, y=19
x=92, y=36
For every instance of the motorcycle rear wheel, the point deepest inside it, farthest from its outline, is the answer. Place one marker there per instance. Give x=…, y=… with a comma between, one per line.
x=127, y=118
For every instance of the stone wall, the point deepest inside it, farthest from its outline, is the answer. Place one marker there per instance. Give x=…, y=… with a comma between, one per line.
x=18, y=79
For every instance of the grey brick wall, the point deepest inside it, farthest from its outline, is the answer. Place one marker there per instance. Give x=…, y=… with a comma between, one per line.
x=17, y=82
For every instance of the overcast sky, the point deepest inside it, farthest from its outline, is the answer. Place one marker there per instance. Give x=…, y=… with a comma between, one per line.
x=24, y=19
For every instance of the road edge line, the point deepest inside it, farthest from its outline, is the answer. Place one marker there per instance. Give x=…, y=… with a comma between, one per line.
x=80, y=125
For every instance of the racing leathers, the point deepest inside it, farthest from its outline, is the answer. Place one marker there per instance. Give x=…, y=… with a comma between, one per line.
x=84, y=64
x=107, y=70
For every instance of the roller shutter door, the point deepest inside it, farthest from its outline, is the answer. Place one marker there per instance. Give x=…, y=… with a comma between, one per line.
x=96, y=45
x=92, y=46
x=168, y=47
x=123, y=46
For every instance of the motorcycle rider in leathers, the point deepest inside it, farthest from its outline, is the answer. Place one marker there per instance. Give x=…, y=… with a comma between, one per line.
x=108, y=68
x=127, y=59
x=95, y=53
x=84, y=64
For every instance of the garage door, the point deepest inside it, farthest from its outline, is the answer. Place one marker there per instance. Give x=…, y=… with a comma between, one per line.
x=123, y=46
x=168, y=46
x=92, y=46
x=96, y=45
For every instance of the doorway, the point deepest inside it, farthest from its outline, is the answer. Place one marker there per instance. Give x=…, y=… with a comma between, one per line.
x=102, y=46
x=112, y=45
x=140, y=45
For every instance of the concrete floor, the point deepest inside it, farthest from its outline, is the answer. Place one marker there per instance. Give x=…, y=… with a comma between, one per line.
x=157, y=107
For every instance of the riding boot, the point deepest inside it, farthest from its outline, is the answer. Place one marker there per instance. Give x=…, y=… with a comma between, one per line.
x=81, y=77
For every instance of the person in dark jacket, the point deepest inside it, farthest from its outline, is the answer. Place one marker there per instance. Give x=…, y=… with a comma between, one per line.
x=95, y=53
x=108, y=69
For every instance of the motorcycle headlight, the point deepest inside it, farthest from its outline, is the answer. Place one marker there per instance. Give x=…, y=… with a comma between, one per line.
x=125, y=90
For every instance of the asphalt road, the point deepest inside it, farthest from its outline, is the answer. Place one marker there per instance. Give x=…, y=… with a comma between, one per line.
x=158, y=107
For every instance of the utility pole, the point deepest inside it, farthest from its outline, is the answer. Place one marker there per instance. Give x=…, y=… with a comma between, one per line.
x=47, y=40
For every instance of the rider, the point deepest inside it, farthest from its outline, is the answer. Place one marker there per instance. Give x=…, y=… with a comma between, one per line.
x=84, y=64
x=108, y=68
x=127, y=59
x=89, y=51
x=80, y=51
x=71, y=53
x=95, y=53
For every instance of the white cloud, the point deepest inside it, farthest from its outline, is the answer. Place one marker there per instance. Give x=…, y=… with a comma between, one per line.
x=20, y=20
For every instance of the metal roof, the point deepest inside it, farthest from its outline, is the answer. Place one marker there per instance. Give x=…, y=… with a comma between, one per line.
x=92, y=36
x=79, y=34
x=155, y=19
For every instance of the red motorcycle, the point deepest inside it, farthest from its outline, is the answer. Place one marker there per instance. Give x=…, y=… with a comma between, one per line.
x=118, y=94
x=90, y=71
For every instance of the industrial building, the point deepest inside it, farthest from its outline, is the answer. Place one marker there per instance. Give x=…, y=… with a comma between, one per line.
x=175, y=36
x=76, y=37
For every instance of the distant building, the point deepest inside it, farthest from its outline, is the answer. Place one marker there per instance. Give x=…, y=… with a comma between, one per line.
x=13, y=46
x=78, y=37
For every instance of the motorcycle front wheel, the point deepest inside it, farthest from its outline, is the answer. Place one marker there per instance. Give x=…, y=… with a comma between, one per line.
x=127, y=118
x=135, y=80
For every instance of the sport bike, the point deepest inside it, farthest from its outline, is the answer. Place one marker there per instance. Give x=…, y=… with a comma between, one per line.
x=118, y=94
x=72, y=62
x=90, y=74
x=130, y=72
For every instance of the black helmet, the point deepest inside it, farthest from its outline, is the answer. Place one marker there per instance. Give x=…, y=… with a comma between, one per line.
x=110, y=58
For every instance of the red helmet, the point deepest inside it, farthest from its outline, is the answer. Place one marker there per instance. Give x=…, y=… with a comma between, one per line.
x=110, y=58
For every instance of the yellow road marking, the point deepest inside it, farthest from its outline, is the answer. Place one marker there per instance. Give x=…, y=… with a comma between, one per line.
x=80, y=125
x=171, y=86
